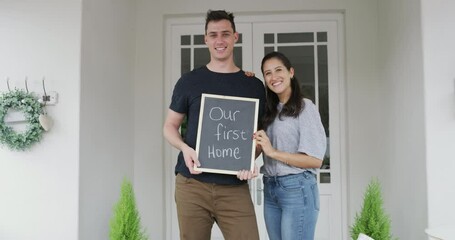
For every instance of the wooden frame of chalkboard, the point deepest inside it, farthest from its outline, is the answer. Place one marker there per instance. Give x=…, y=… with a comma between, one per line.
x=225, y=134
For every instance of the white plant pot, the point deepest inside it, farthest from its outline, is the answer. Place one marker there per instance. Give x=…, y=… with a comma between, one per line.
x=364, y=237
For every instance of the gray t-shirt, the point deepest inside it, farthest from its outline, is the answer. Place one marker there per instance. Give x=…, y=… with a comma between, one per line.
x=304, y=134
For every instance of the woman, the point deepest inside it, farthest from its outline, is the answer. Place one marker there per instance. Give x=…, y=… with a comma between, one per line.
x=293, y=144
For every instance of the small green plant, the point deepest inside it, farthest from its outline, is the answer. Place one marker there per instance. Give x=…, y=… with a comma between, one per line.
x=125, y=224
x=372, y=221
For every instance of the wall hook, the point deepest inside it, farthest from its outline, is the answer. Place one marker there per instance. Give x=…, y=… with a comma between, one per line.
x=46, y=98
x=7, y=83
x=26, y=85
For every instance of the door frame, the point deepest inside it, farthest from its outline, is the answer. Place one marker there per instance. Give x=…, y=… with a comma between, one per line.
x=169, y=155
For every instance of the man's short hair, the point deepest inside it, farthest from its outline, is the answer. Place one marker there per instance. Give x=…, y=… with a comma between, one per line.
x=218, y=15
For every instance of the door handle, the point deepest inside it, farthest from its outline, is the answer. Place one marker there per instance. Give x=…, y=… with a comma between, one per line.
x=259, y=191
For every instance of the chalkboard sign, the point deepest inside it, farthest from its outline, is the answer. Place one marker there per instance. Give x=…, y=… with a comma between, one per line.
x=226, y=126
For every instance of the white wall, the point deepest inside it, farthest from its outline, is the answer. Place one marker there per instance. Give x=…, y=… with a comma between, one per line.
x=107, y=112
x=110, y=66
x=363, y=94
x=39, y=187
x=402, y=119
x=65, y=187
x=439, y=61
x=148, y=114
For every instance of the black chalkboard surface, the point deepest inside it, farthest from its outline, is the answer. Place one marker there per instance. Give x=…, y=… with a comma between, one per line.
x=226, y=126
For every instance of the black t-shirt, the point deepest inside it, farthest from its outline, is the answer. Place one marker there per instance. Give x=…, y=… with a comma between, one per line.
x=186, y=99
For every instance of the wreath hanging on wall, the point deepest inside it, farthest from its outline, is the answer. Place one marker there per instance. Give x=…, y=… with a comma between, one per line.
x=26, y=103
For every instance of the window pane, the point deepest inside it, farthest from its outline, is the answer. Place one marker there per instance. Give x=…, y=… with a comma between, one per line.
x=199, y=40
x=322, y=36
x=323, y=83
x=325, y=177
x=185, y=59
x=302, y=59
x=295, y=37
x=269, y=38
x=240, y=38
x=268, y=50
x=185, y=40
x=238, y=56
x=201, y=57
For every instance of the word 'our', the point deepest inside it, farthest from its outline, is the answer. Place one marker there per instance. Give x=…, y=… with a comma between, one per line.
x=217, y=113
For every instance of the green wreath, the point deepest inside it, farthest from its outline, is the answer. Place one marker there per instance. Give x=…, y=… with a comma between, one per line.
x=28, y=104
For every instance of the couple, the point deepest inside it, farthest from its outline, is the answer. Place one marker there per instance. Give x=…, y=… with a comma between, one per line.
x=291, y=139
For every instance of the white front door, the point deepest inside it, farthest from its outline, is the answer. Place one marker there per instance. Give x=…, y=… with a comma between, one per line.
x=313, y=46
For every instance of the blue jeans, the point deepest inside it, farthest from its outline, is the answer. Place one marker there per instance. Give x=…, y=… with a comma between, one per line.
x=291, y=206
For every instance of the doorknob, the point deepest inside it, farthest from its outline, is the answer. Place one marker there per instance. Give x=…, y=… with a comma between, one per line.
x=259, y=191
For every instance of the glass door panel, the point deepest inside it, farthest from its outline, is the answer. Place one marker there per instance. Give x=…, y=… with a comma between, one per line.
x=307, y=51
x=312, y=49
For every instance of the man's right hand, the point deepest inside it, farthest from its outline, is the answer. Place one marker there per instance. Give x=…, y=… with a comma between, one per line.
x=191, y=160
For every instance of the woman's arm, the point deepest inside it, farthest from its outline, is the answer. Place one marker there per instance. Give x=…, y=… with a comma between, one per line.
x=300, y=160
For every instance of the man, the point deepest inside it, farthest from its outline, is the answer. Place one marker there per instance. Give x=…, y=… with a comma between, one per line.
x=205, y=198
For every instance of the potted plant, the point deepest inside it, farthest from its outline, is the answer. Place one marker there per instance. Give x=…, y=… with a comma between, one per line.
x=125, y=224
x=372, y=220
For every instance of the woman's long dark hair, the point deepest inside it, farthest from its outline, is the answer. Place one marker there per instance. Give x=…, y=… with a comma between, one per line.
x=293, y=106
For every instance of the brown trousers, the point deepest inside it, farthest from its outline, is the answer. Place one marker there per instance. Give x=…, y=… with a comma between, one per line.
x=200, y=204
